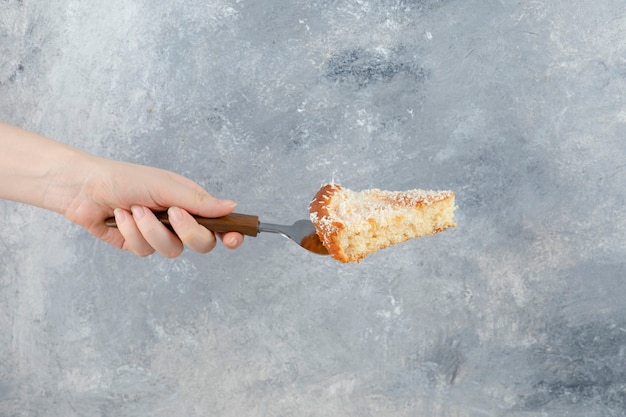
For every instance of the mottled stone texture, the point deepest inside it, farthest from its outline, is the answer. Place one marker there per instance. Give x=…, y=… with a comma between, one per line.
x=517, y=106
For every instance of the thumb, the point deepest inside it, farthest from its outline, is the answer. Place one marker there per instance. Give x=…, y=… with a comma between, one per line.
x=177, y=191
x=196, y=200
x=210, y=206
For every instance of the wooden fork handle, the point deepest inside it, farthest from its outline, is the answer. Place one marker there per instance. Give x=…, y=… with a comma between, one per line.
x=245, y=224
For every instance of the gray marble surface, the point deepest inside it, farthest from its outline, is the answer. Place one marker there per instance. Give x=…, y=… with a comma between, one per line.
x=517, y=106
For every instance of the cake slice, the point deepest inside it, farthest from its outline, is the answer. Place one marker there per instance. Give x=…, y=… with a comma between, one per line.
x=354, y=224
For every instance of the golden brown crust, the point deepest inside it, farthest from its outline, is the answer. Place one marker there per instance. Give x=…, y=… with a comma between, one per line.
x=319, y=210
x=319, y=202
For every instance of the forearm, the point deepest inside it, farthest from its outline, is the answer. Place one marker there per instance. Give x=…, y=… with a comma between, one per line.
x=32, y=169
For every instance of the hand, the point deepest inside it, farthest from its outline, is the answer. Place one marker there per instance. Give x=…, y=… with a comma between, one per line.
x=87, y=190
x=131, y=193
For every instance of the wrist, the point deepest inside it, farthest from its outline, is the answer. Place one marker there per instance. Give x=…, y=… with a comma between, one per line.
x=65, y=179
x=36, y=170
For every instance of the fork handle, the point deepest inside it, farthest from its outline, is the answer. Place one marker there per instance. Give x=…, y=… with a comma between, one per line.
x=246, y=224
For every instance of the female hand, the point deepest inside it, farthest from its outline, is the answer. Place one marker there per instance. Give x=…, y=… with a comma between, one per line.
x=87, y=190
x=131, y=193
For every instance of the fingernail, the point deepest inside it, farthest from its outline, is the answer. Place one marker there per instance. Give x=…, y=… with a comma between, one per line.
x=138, y=212
x=175, y=214
x=230, y=241
x=228, y=203
x=120, y=216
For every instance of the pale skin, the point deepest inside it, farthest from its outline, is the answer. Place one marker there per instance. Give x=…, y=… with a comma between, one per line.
x=87, y=189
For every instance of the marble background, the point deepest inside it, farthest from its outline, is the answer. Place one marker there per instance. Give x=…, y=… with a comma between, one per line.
x=517, y=106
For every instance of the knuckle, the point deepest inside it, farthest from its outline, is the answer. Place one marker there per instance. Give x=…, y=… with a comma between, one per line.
x=208, y=247
x=173, y=253
x=200, y=199
x=143, y=253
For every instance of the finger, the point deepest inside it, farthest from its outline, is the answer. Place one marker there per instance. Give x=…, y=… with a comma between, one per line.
x=155, y=233
x=191, y=197
x=231, y=240
x=110, y=235
x=197, y=238
x=133, y=240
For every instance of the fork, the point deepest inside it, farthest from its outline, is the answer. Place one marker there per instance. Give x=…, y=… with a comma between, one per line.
x=301, y=232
